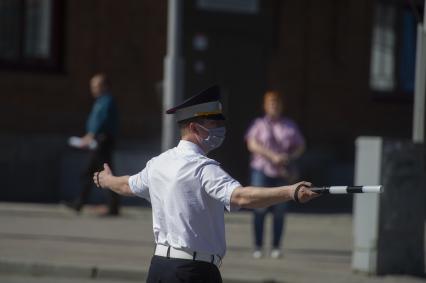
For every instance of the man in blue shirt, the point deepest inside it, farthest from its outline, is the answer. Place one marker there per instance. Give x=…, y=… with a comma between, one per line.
x=101, y=129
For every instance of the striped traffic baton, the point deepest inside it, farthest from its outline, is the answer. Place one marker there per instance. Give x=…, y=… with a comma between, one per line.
x=339, y=190
x=347, y=189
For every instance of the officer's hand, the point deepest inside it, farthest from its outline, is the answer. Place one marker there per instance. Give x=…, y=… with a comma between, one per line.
x=301, y=193
x=101, y=178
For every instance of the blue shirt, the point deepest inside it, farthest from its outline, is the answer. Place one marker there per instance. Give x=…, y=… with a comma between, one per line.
x=103, y=118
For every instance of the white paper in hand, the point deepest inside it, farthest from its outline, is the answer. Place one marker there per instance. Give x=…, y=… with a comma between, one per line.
x=78, y=143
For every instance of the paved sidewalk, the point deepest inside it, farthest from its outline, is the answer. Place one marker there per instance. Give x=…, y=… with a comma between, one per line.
x=51, y=240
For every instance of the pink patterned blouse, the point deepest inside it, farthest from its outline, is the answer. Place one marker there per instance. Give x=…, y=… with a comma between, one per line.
x=279, y=135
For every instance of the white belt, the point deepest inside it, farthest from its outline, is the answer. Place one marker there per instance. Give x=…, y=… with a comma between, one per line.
x=171, y=252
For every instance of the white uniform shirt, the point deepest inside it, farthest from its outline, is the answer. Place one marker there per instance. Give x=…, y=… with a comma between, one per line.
x=188, y=193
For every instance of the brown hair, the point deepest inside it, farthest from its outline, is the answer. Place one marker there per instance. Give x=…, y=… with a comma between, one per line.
x=272, y=94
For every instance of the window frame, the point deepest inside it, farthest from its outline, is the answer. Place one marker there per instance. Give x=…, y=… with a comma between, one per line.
x=398, y=94
x=55, y=61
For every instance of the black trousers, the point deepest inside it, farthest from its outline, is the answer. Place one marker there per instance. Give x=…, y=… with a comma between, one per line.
x=174, y=270
x=102, y=154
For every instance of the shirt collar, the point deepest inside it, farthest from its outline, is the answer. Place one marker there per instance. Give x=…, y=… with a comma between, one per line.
x=270, y=120
x=104, y=94
x=187, y=145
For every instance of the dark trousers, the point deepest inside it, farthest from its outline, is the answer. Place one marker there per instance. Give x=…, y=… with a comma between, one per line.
x=102, y=154
x=258, y=178
x=174, y=270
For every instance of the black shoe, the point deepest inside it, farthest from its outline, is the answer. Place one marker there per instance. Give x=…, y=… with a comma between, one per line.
x=113, y=211
x=74, y=205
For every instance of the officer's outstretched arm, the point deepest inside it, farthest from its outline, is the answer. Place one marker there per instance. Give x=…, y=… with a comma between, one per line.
x=257, y=197
x=106, y=180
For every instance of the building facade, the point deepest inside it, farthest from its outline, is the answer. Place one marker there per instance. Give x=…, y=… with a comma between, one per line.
x=344, y=67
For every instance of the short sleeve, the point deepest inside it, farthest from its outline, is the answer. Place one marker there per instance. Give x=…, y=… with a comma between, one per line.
x=297, y=138
x=253, y=130
x=138, y=184
x=218, y=184
x=98, y=115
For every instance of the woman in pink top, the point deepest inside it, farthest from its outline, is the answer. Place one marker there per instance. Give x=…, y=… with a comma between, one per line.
x=274, y=141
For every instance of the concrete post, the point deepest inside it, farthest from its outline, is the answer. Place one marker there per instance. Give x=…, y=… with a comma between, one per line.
x=173, y=73
x=389, y=228
x=420, y=84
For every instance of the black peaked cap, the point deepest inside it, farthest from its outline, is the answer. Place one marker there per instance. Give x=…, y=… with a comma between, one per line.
x=210, y=94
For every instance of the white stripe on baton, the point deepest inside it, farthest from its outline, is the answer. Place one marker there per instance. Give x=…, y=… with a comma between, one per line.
x=347, y=189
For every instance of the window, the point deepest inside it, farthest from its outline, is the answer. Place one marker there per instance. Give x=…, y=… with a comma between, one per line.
x=393, y=50
x=230, y=6
x=29, y=34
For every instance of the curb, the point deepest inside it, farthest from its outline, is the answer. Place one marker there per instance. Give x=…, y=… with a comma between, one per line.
x=69, y=271
x=87, y=272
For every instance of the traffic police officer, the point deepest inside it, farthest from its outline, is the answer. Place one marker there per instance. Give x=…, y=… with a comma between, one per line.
x=188, y=193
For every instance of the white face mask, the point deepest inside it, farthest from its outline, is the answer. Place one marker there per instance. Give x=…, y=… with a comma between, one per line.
x=214, y=139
